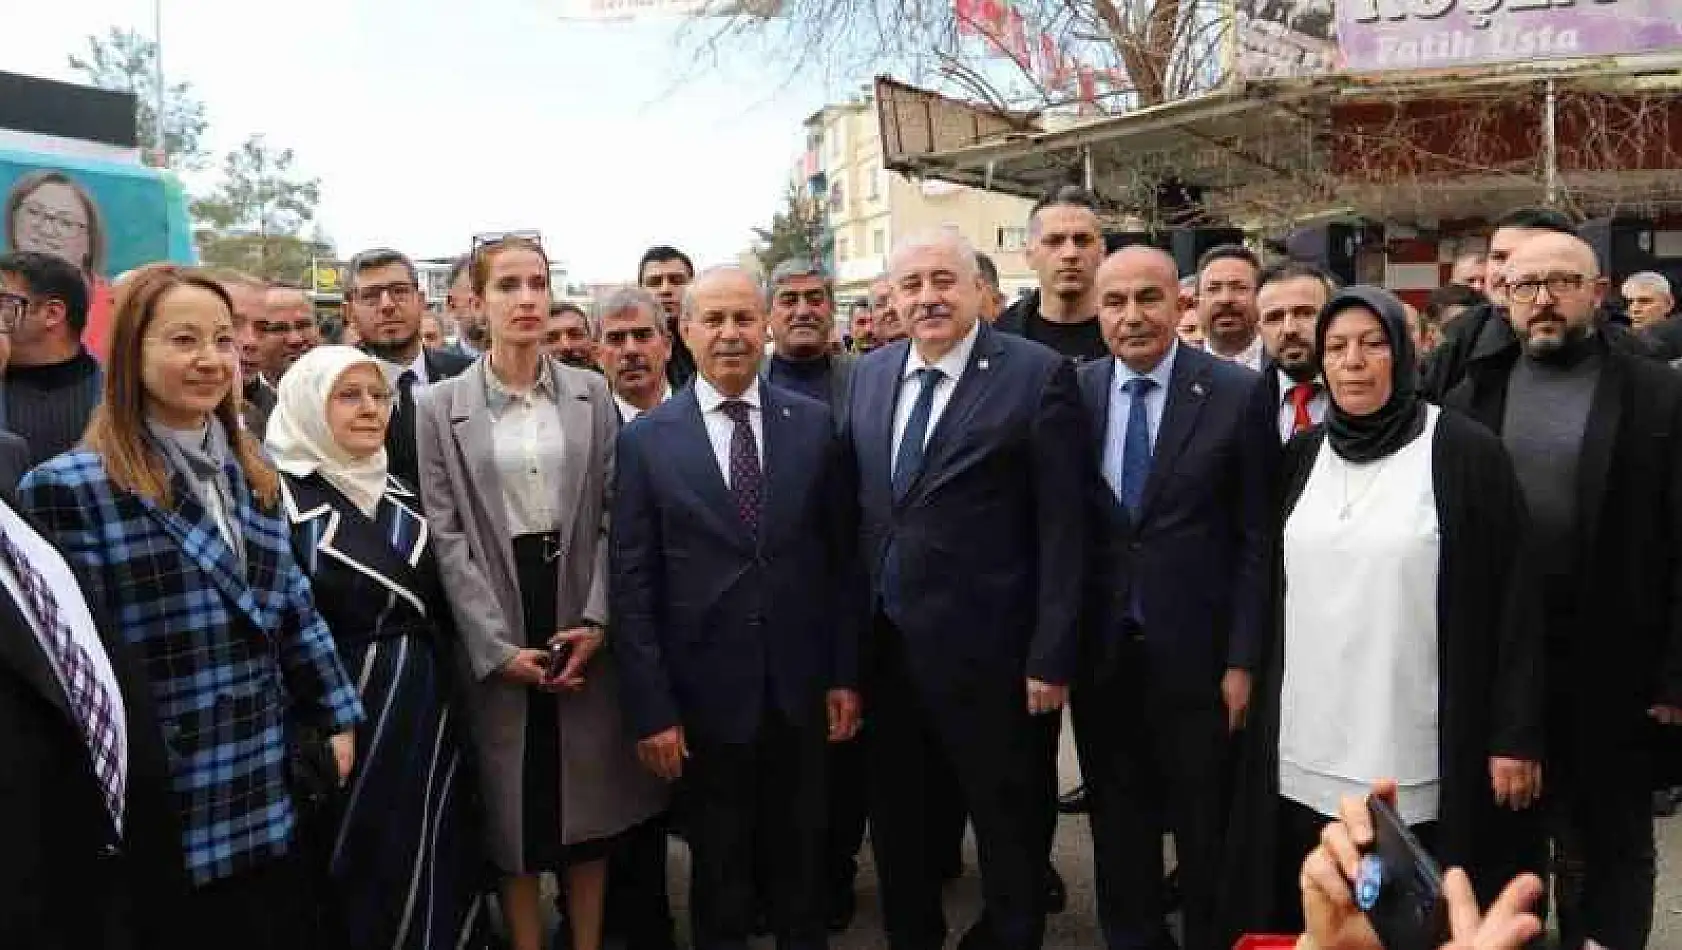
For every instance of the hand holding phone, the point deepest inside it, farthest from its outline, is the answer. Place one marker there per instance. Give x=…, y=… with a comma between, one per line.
x=559, y=653
x=1399, y=885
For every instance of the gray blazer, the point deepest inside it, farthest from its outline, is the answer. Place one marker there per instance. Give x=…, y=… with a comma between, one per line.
x=604, y=789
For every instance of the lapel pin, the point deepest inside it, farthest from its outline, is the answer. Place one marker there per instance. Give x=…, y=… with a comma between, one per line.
x=785, y=412
x=1197, y=389
x=981, y=364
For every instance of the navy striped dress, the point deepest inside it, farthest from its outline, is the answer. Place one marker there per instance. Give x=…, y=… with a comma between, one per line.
x=403, y=861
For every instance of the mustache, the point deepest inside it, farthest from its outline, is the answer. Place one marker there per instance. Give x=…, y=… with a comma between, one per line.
x=937, y=310
x=1227, y=310
x=632, y=363
x=731, y=349
x=1294, y=339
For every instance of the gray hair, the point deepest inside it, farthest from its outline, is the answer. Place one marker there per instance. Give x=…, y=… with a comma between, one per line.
x=621, y=300
x=1652, y=280
x=688, y=309
x=377, y=257
x=945, y=238
x=798, y=267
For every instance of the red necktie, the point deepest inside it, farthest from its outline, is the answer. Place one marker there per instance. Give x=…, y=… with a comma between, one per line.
x=1301, y=395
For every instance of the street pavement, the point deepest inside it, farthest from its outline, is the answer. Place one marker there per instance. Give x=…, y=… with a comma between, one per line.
x=1077, y=928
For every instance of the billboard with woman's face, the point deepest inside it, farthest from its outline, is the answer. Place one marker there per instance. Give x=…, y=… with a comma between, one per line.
x=106, y=218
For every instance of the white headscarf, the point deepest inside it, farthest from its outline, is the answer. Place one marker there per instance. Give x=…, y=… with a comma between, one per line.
x=300, y=440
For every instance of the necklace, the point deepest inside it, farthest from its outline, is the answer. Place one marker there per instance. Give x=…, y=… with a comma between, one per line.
x=1348, y=508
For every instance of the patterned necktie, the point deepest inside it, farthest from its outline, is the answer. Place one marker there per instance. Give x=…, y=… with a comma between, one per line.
x=909, y=459
x=747, y=483
x=89, y=701
x=1136, y=445
x=1301, y=395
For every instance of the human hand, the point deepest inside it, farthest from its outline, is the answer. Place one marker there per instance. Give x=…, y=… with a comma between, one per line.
x=1517, y=782
x=1046, y=697
x=585, y=642
x=1328, y=902
x=844, y=719
x=1235, y=693
x=1509, y=925
x=663, y=753
x=344, y=754
x=527, y=667
x=1667, y=715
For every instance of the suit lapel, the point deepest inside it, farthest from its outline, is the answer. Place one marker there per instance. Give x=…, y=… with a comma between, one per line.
x=876, y=419
x=1600, y=438
x=954, y=419
x=365, y=549
x=692, y=454
x=1095, y=387
x=1188, y=390
x=472, y=423
x=572, y=404
x=192, y=527
x=781, y=472
x=20, y=650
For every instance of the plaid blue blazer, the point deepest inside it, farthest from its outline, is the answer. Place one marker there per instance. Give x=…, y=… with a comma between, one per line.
x=232, y=657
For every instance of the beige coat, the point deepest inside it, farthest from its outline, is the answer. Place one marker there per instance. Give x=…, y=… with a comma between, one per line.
x=604, y=790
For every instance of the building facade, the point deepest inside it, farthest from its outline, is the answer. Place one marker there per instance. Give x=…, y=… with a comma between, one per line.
x=868, y=207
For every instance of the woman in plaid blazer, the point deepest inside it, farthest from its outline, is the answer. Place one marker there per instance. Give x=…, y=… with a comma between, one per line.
x=172, y=511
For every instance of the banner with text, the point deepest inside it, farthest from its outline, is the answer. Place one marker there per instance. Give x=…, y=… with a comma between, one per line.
x=1437, y=34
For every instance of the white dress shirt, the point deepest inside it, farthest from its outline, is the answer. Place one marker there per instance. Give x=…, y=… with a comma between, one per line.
x=951, y=366
x=1359, y=697
x=1121, y=408
x=627, y=412
x=720, y=427
x=1317, y=405
x=530, y=450
x=72, y=609
x=1250, y=357
x=394, y=371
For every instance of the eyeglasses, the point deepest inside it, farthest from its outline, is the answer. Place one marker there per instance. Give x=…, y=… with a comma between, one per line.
x=63, y=224
x=401, y=293
x=1559, y=285
x=12, y=308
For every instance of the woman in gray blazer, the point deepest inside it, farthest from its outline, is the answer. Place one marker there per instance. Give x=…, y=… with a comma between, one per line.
x=516, y=462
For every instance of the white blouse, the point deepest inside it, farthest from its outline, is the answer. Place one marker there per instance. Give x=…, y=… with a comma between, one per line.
x=530, y=451
x=1359, y=697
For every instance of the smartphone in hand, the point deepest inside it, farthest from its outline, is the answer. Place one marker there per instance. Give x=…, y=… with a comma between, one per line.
x=559, y=654
x=1400, y=887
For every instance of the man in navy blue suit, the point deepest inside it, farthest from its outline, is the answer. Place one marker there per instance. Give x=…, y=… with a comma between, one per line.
x=731, y=557
x=1175, y=611
x=971, y=452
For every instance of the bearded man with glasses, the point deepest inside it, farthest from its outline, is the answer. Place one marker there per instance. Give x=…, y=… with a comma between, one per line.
x=52, y=381
x=383, y=301
x=1595, y=435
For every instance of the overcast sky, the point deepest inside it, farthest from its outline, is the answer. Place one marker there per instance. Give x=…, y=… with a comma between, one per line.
x=428, y=120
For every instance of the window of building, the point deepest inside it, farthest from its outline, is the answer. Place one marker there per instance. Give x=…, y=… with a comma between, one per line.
x=1013, y=239
x=837, y=198
x=840, y=249
x=878, y=242
x=875, y=183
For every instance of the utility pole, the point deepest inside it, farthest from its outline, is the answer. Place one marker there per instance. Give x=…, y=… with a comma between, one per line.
x=158, y=80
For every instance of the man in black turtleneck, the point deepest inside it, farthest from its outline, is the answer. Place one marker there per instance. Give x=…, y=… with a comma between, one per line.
x=52, y=383
x=1595, y=435
x=802, y=319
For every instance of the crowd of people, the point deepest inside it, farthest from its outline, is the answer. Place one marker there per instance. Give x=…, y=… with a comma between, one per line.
x=347, y=644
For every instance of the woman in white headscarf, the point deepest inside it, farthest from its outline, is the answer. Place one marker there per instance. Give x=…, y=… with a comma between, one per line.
x=400, y=846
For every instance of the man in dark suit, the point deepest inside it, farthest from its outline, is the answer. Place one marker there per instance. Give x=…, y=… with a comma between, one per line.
x=92, y=856
x=1595, y=435
x=970, y=446
x=802, y=304
x=1175, y=608
x=257, y=397
x=1289, y=298
x=731, y=550
x=383, y=300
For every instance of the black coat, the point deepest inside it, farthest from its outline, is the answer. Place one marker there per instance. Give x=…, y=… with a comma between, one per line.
x=403, y=459
x=1489, y=655
x=66, y=881
x=1629, y=574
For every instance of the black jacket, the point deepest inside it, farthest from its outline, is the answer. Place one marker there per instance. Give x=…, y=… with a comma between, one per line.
x=67, y=881
x=1665, y=337
x=1628, y=591
x=1446, y=366
x=1490, y=662
x=402, y=458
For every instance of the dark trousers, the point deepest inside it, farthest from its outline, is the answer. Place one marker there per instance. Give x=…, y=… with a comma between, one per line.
x=1001, y=760
x=848, y=810
x=1598, y=808
x=1152, y=767
x=637, y=906
x=758, y=802
x=267, y=908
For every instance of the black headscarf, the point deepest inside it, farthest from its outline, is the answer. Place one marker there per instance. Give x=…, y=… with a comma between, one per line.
x=1400, y=420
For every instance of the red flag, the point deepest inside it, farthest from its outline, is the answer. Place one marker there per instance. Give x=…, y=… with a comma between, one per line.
x=1017, y=39
x=1088, y=86
x=968, y=13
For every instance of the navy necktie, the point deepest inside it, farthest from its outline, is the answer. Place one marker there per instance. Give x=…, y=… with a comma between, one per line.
x=1136, y=445
x=909, y=459
x=747, y=482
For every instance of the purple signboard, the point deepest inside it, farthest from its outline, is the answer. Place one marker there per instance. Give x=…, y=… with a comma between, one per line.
x=1435, y=34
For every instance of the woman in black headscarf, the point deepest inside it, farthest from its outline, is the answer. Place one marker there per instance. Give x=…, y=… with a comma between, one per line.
x=1400, y=650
